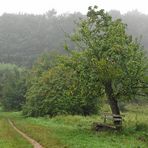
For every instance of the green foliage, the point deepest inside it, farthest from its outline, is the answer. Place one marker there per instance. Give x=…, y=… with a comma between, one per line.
x=67, y=88
x=13, y=87
x=44, y=62
x=118, y=58
x=108, y=63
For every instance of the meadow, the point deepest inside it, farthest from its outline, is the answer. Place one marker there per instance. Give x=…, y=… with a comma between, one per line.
x=75, y=131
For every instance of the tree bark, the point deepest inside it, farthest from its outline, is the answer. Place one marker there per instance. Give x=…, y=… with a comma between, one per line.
x=113, y=103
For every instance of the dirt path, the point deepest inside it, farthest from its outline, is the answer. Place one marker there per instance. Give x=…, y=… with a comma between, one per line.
x=32, y=141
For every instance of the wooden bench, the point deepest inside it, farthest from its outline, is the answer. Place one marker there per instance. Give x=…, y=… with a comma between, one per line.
x=112, y=117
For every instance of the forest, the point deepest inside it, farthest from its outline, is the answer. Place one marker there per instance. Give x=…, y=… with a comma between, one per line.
x=23, y=37
x=61, y=73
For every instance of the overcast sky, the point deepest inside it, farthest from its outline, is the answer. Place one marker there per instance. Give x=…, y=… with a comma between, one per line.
x=62, y=6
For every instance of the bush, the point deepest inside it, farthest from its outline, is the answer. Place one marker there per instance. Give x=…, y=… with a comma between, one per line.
x=63, y=89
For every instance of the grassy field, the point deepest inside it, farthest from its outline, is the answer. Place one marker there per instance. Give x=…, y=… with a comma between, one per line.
x=75, y=131
x=9, y=138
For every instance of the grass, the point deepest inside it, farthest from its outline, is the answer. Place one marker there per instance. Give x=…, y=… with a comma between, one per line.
x=75, y=131
x=9, y=138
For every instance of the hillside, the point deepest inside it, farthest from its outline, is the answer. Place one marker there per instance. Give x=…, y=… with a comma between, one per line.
x=24, y=36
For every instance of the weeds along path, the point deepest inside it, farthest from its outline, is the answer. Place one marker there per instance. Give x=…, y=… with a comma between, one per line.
x=32, y=141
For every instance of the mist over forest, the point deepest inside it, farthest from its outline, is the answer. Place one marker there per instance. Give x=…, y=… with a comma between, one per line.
x=25, y=36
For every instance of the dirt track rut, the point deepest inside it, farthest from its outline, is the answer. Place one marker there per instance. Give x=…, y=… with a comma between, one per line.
x=31, y=141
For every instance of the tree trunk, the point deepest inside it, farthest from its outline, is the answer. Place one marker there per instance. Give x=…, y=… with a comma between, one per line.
x=113, y=103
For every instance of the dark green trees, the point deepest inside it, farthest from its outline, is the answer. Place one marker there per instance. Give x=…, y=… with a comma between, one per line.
x=62, y=88
x=12, y=87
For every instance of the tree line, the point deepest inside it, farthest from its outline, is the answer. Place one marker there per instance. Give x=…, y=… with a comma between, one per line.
x=23, y=37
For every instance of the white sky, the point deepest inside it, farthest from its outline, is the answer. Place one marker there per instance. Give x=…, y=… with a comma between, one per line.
x=62, y=6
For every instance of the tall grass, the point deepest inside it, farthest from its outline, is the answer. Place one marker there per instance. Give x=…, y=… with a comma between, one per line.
x=75, y=131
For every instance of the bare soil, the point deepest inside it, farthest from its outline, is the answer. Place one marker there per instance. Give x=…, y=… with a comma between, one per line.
x=31, y=141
